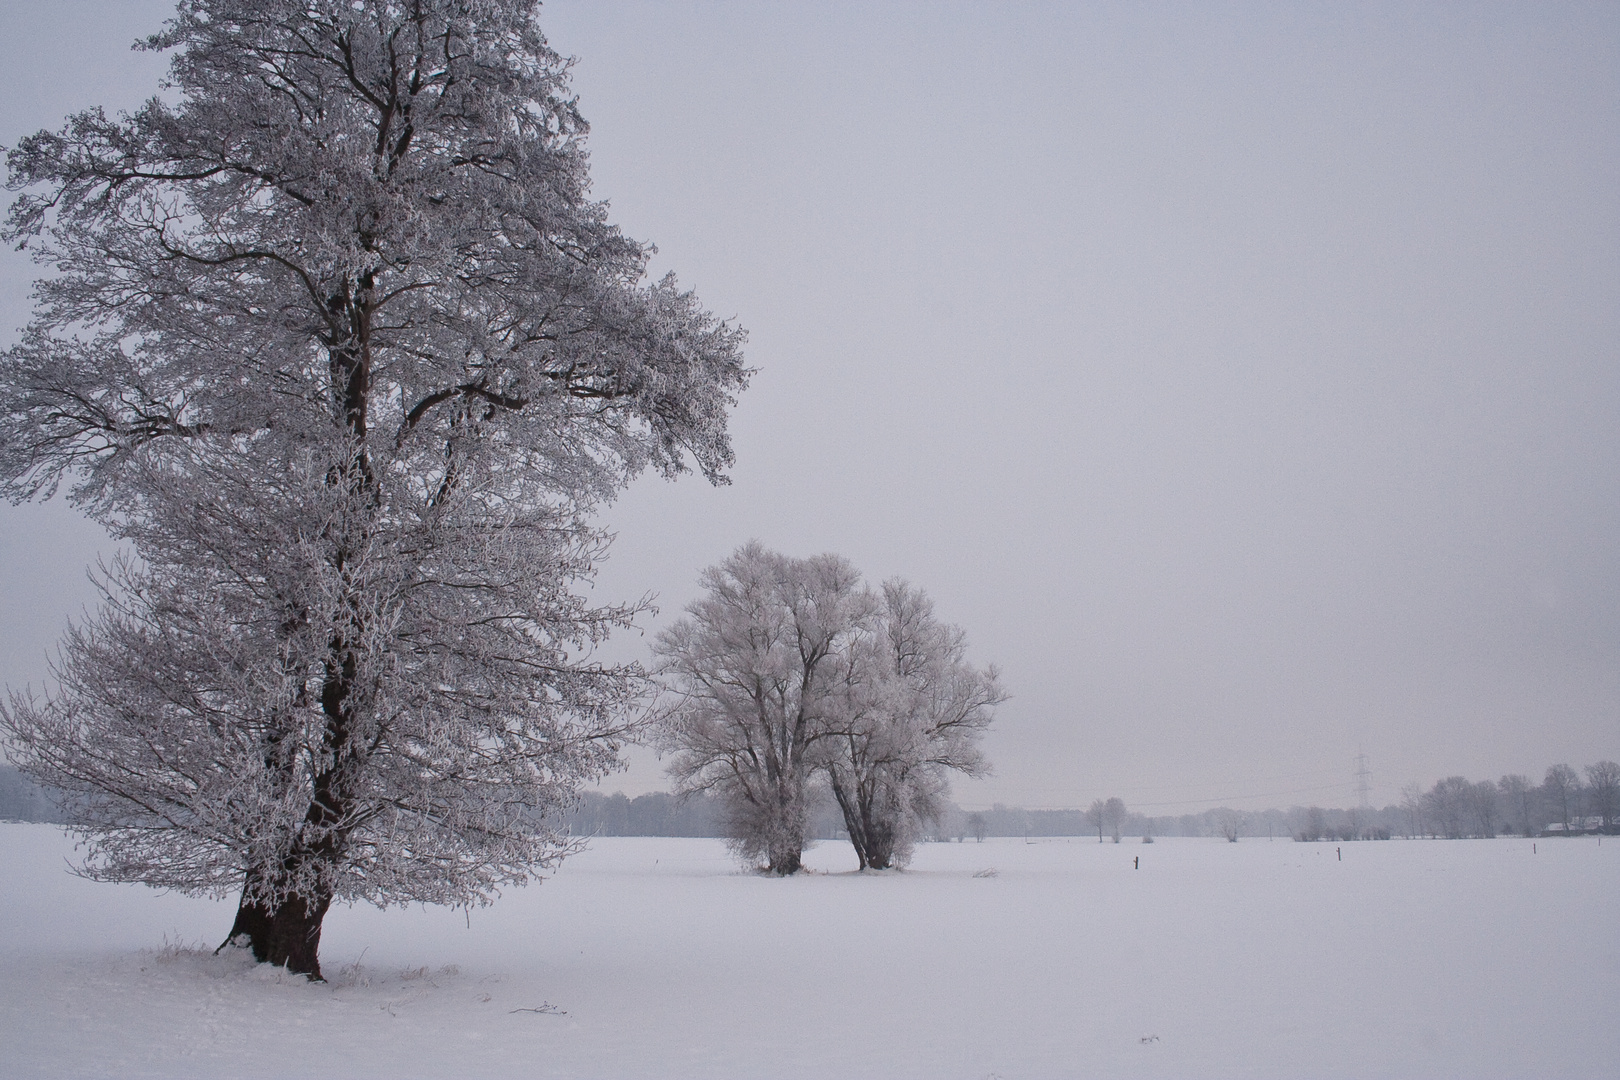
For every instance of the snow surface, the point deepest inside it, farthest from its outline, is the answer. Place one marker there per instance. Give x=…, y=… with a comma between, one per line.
x=658, y=958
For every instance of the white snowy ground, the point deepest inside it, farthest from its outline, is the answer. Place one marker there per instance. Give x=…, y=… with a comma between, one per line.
x=661, y=959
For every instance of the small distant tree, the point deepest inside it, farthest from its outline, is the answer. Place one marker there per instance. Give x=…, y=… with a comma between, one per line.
x=1114, y=814
x=1447, y=805
x=976, y=825
x=1482, y=803
x=1356, y=820
x=1315, y=824
x=1230, y=822
x=1516, y=790
x=1097, y=817
x=1603, y=784
x=1412, y=806
x=1272, y=818
x=1561, y=791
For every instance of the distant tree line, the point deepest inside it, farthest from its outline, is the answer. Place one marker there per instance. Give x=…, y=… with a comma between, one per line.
x=1564, y=802
x=655, y=814
x=660, y=813
x=1111, y=820
x=23, y=800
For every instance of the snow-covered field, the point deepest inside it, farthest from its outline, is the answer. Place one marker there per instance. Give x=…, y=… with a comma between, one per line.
x=658, y=958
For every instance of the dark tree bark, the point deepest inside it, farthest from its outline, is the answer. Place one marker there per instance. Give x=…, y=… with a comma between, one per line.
x=287, y=934
x=852, y=820
x=785, y=863
x=871, y=834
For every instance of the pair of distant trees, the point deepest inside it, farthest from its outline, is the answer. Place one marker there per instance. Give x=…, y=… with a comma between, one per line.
x=1107, y=815
x=789, y=675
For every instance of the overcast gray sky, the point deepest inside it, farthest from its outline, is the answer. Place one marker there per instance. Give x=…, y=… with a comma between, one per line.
x=1244, y=379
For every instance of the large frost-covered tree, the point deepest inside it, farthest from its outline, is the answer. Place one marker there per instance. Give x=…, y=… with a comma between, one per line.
x=752, y=666
x=908, y=709
x=1097, y=814
x=338, y=343
x=789, y=673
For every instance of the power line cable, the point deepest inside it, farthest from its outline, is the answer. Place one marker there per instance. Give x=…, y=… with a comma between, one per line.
x=1216, y=799
x=1142, y=792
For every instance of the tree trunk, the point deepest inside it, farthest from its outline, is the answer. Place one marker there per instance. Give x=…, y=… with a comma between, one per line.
x=853, y=822
x=785, y=862
x=287, y=934
x=871, y=834
x=880, y=837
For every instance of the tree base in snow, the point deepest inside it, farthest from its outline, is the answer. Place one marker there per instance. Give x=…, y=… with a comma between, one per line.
x=288, y=935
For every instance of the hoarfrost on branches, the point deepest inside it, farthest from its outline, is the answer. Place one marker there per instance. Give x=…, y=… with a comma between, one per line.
x=751, y=663
x=1108, y=814
x=913, y=709
x=790, y=673
x=339, y=345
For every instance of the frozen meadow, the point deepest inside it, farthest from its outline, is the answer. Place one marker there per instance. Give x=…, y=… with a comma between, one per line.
x=659, y=958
